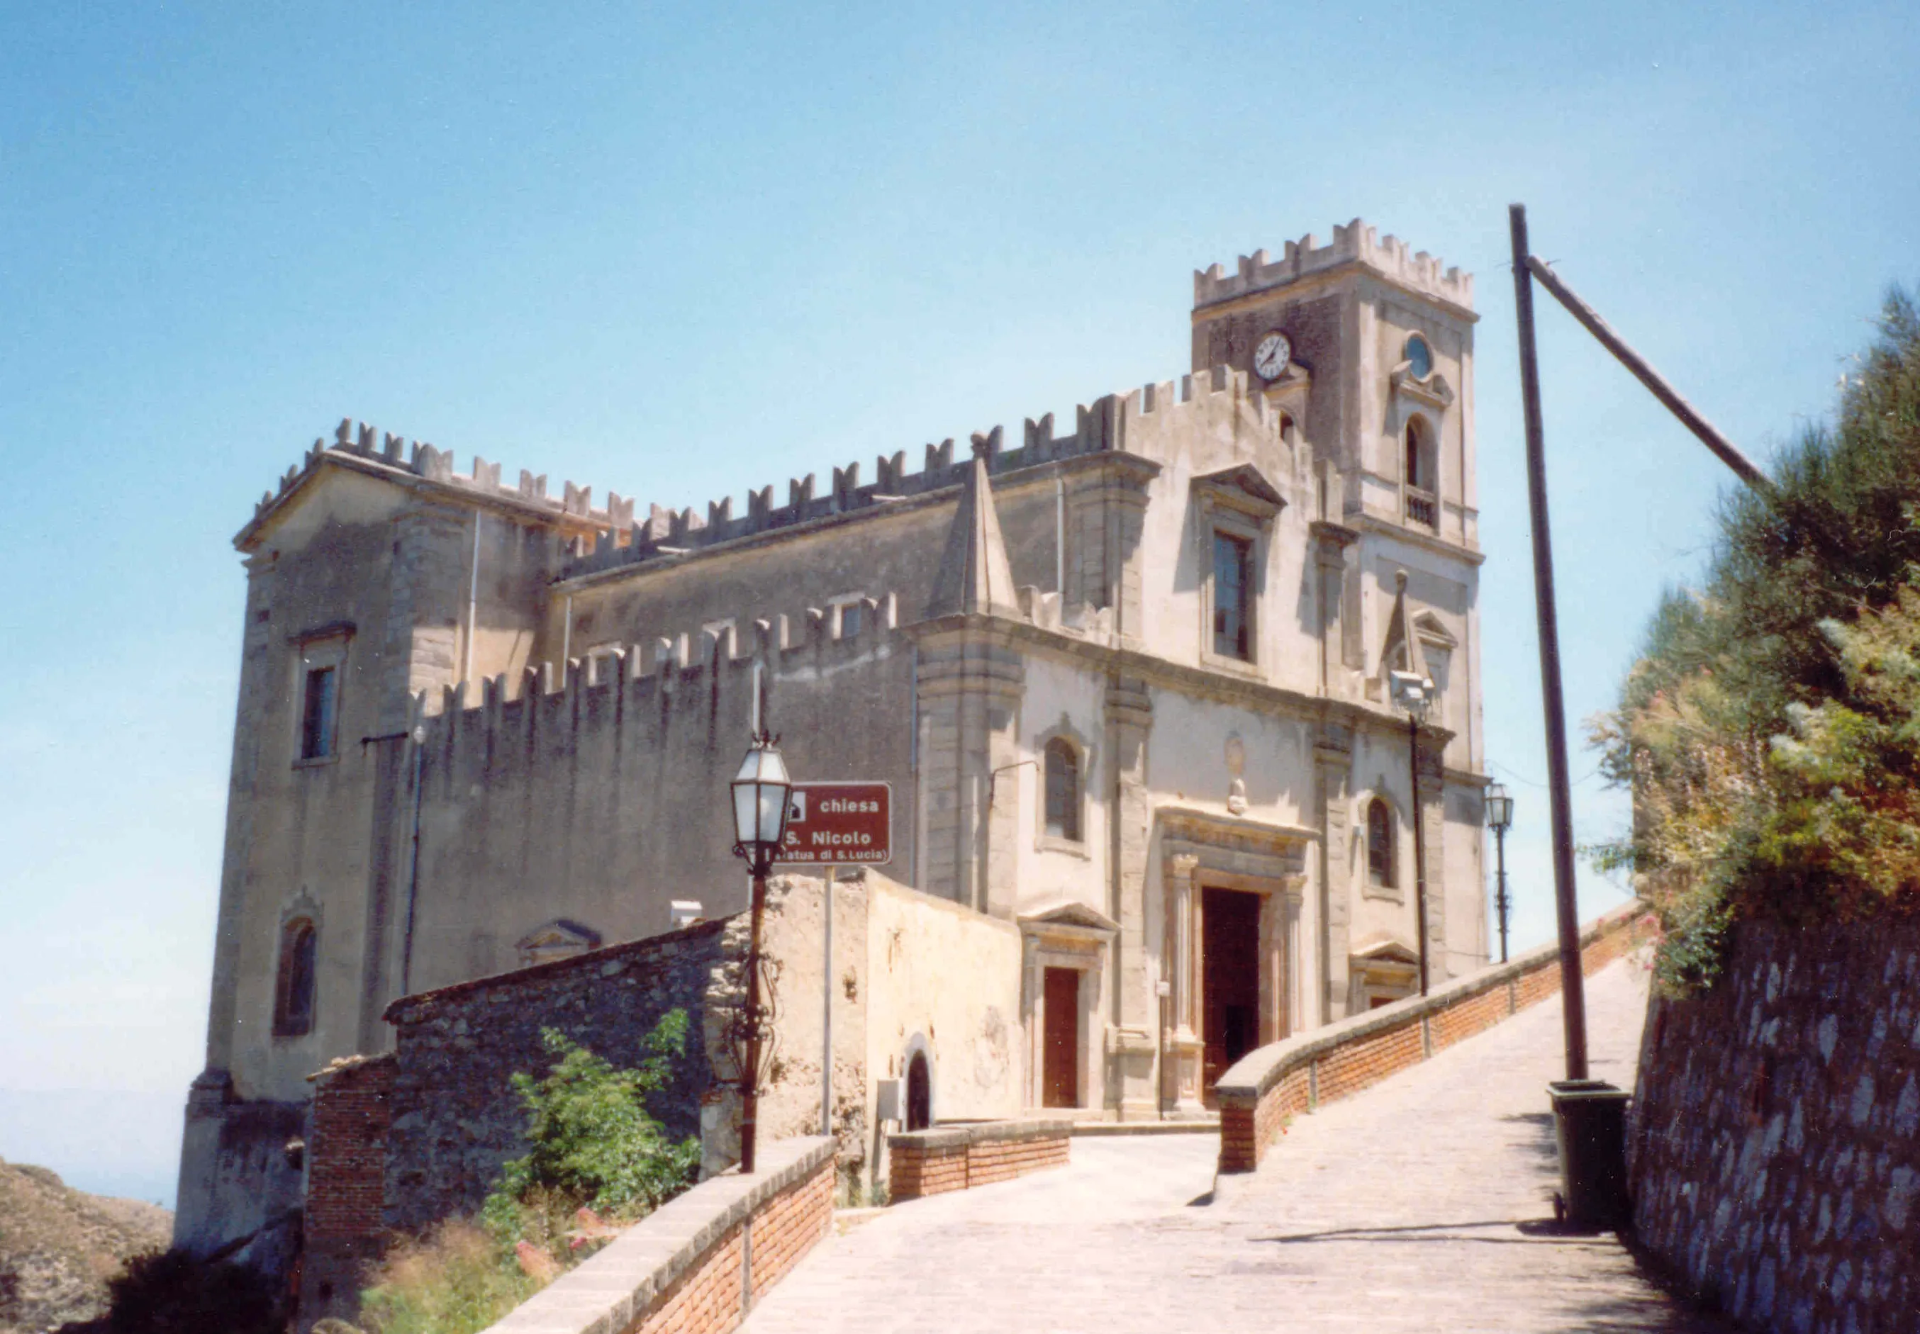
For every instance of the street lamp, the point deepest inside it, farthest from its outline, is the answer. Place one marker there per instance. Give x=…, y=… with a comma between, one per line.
x=1499, y=820
x=1414, y=693
x=762, y=795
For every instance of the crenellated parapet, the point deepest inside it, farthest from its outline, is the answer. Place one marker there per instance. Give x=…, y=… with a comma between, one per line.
x=574, y=507
x=1098, y=427
x=704, y=661
x=1356, y=242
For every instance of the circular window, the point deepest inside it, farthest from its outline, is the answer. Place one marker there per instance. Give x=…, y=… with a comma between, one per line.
x=1419, y=357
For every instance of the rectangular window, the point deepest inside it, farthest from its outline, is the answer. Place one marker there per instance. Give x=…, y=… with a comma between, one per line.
x=850, y=620
x=1232, y=568
x=316, y=724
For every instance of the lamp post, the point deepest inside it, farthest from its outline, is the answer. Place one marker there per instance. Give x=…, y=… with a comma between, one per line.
x=762, y=794
x=1415, y=694
x=1500, y=819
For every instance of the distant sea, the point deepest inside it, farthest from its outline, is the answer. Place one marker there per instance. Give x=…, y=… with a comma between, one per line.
x=103, y=1142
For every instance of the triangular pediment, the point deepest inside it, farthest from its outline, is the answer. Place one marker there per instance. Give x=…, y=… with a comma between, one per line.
x=558, y=939
x=1387, y=950
x=1429, y=628
x=1245, y=486
x=1071, y=914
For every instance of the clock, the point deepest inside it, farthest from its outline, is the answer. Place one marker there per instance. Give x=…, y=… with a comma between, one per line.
x=1272, y=355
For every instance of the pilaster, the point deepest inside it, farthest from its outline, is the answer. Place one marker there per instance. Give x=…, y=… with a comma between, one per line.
x=1107, y=510
x=1129, y=720
x=969, y=687
x=1333, y=767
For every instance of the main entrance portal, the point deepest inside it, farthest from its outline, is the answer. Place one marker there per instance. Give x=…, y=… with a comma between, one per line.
x=1230, y=976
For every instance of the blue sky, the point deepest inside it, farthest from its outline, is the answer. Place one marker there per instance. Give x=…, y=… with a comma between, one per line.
x=679, y=251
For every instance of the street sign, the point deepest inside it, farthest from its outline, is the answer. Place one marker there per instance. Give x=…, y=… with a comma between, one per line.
x=840, y=824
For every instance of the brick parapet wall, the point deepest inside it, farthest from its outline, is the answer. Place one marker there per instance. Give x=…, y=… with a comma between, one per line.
x=946, y=1158
x=1774, y=1145
x=697, y=1264
x=1269, y=1085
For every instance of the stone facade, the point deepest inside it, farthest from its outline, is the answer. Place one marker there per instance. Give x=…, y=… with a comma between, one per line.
x=1774, y=1145
x=1128, y=680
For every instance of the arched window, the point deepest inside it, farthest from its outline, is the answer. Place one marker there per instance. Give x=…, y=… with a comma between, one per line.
x=1063, y=790
x=1421, y=474
x=293, y=989
x=1380, y=857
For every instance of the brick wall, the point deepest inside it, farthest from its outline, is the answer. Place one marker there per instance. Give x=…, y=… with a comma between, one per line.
x=346, y=1179
x=698, y=1264
x=1774, y=1146
x=932, y=1162
x=1285, y=1078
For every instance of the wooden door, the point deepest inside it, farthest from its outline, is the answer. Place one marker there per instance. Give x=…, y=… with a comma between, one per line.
x=1230, y=969
x=1060, y=1058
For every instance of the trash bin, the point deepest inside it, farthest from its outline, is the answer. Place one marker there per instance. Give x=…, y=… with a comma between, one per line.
x=1590, y=1130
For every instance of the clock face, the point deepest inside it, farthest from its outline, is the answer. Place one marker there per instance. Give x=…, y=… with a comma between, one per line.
x=1272, y=355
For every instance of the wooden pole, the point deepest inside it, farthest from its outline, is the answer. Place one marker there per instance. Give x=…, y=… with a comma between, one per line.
x=1689, y=416
x=1573, y=994
x=1419, y=843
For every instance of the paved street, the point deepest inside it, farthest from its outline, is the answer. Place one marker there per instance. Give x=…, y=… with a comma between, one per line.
x=1416, y=1206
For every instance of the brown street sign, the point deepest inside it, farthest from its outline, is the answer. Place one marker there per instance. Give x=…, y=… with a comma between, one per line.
x=840, y=823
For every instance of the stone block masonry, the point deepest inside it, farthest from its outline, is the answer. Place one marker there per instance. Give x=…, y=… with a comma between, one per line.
x=959, y=1157
x=1774, y=1147
x=1283, y=1079
x=697, y=1264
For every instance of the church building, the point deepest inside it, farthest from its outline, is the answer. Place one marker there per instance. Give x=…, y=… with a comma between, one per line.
x=1131, y=680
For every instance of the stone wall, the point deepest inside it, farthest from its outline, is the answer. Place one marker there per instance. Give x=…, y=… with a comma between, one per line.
x=455, y=1117
x=1775, y=1140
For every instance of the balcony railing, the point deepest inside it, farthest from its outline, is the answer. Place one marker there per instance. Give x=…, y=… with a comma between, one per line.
x=1423, y=508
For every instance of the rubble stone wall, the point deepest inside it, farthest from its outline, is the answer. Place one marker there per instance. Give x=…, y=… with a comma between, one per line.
x=1775, y=1140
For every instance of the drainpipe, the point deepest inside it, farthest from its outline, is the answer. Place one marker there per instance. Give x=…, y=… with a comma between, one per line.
x=473, y=599
x=419, y=738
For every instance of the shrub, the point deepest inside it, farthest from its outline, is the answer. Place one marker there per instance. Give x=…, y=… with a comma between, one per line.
x=172, y=1292
x=593, y=1149
x=453, y=1280
x=1767, y=730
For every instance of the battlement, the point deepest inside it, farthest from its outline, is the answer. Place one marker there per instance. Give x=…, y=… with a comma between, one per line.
x=704, y=664
x=1098, y=427
x=359, y=440
x=1355, y=242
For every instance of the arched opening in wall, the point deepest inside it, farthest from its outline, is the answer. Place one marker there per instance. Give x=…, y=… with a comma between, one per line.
x=1380, y=851
x=1287, y=428
x=1423, y=488
x=919, y=1093
x=1063, y=790
x=294, y=985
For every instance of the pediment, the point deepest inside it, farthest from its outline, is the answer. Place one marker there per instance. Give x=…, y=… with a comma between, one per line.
x=1434, y=391
x=1386, y=949
x=1431, y=630
x=561, y=938
x=1244, y=487
x=1074, y=916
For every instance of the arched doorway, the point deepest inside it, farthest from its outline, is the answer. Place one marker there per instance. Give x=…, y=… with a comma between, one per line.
x=919, y=1093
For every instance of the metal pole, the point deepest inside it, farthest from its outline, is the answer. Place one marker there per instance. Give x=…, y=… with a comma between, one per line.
x=1573, y=994
x=750, y=1077
x=1728, y=452
x=826, y=1016
x=1500, y=887
x=1419, y=843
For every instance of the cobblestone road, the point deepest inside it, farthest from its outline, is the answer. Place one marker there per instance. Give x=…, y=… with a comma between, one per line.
x=1415, y=1206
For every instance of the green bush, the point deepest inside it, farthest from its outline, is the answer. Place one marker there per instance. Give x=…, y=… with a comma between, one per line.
x=1767, y=730
x=596, y=1158
x=590, y=1135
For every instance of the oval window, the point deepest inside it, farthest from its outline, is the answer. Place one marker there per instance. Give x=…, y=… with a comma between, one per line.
x=1419, y=357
